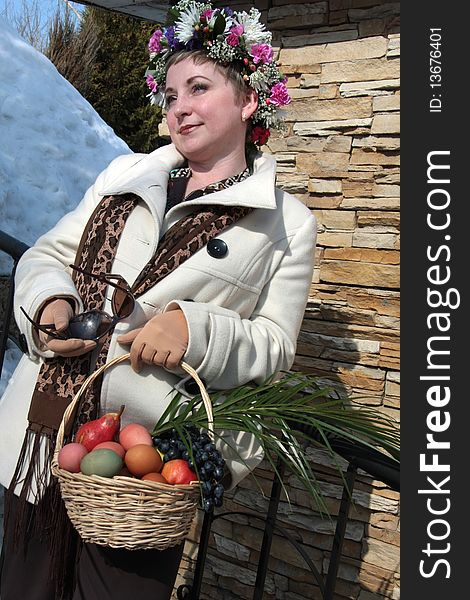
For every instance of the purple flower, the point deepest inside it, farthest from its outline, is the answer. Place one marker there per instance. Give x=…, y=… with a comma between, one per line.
x=228, y=11
x=155, y=44
x=170, y=36
x=279, y=95
x=233, y=38
x=195, y=43
x=262, y=53
x=153, y=85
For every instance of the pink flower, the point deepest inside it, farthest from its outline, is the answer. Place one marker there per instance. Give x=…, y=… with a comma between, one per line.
x=153, y=85
x=155, y=44
x=262, y=53
x=279, y=94
x=260, y=135
x=208, y=14
x=233, y=37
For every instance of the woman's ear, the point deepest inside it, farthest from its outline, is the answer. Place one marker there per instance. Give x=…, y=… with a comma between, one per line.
x=250, y=102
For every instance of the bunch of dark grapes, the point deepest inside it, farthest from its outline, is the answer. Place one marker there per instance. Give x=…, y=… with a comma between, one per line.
x=206, y=461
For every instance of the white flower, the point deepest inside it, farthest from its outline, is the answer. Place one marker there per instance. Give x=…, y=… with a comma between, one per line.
x=184, y=27
x=258, y=81
x=254, y=31
x=182, y=5
x=157, y=99
x=272, y=120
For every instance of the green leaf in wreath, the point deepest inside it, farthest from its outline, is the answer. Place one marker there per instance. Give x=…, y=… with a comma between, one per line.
x=172, y=16
x=219, y=25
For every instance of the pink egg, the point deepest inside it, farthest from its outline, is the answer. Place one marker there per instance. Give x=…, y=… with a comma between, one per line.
x=70, y=456
x=134, y=434
x=112, y=446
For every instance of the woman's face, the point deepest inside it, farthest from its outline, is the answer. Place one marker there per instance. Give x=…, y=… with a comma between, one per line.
x=204, y=112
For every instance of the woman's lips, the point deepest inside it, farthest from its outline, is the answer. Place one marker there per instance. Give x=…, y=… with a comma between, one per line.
x=186, y=129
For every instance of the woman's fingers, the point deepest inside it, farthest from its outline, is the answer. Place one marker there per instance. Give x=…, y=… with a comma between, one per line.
x=62, y=314
x=174, y=357
x=129, y=337
x=72, y=347
x=57, y=312
x=162, y=341
x=135, y=356
x=143, y=353
x=148, y=354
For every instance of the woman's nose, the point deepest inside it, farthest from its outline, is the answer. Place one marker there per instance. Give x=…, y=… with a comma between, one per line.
x=181, y=107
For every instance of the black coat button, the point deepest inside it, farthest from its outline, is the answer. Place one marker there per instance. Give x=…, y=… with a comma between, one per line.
x=217, y=248
x=192, y=387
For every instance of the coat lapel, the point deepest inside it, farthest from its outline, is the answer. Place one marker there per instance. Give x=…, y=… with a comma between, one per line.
x=148, y=178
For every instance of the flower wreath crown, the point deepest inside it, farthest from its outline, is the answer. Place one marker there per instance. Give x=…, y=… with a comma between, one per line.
x=227, y=37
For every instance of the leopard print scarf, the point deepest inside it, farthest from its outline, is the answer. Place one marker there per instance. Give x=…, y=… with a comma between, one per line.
x=60, y=378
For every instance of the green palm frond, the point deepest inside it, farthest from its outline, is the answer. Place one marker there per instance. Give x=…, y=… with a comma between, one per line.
x=286, y=415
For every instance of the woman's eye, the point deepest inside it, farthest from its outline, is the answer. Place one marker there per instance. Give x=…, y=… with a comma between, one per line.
x=169, y=100
x=197, y=87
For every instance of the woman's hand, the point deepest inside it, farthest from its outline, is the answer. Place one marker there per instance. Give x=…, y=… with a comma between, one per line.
x=59, y=312
x=162, y=341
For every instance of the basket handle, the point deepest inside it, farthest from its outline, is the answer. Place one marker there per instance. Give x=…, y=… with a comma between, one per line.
x=70, y=408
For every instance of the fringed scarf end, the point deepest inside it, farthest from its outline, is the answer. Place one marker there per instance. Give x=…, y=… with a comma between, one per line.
x=33, y=483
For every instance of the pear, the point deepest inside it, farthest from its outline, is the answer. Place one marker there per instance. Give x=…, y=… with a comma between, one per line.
x=99, y=430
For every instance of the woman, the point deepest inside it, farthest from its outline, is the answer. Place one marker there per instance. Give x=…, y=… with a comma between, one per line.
x=219, y=262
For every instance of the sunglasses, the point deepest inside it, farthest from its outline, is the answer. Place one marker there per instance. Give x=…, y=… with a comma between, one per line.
x=93, y=324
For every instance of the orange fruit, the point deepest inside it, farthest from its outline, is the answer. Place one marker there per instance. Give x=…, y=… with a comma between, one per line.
x=142, y=459
x=154, y=477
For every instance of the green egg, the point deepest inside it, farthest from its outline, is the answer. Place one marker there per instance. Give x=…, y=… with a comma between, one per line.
x=103, y=462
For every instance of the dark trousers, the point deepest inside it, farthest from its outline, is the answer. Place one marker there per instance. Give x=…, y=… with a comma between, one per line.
x=102, y=573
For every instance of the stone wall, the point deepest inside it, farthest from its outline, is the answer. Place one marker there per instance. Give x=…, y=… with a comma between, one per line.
x=340, y=156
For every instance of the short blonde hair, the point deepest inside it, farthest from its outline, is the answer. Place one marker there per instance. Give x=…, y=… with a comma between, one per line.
x=230, y=72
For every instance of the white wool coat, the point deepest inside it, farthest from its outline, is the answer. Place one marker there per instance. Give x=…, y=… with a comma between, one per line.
x=243, y=310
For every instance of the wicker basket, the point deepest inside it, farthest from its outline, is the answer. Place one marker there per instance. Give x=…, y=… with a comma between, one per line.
x=123, y=512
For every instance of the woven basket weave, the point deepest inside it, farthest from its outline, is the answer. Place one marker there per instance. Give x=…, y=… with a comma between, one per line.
x=123, y=512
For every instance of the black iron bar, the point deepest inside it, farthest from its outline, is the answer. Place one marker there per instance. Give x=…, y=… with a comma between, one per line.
x=5, y=330
x=340, y=531
x=305, y=556
x=282, y=531
x=15, y=249
x=268, y=531
x=201, y=555
x=375, y=463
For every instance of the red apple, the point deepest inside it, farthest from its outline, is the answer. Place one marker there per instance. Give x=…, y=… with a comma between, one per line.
x=177, y=472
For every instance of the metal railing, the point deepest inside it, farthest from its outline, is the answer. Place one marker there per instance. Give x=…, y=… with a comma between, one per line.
x=376, y=464
x=15, y=249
